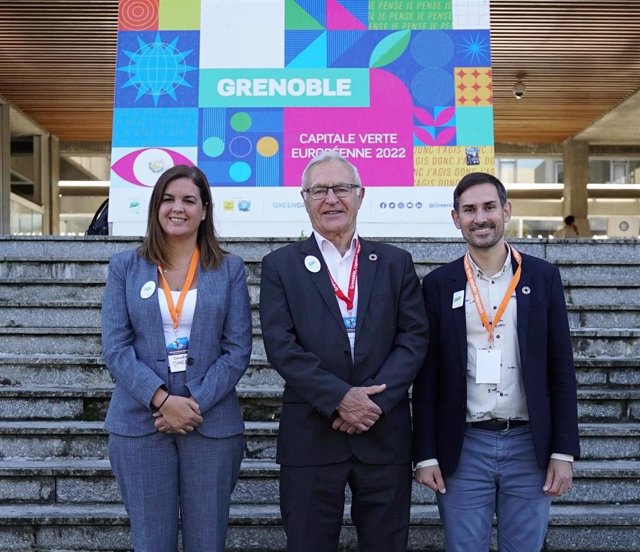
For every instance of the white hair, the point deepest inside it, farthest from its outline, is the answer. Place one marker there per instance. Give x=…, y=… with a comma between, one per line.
x=330, y=155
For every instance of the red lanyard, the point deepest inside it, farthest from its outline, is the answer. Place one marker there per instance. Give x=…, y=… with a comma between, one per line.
x=489, y=326
x=353, y=278
x=174, y=311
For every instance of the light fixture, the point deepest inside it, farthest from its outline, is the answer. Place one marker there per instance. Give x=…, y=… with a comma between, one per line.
x=519, y=88
x=84, y=183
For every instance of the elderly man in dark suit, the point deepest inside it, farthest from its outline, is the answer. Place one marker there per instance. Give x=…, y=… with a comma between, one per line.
x=344, y=324
x=495, y=415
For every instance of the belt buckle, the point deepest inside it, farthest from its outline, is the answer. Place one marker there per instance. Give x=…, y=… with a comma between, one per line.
x=506, y=421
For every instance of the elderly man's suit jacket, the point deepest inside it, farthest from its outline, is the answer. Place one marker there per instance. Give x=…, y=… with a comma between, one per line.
x=307, y=343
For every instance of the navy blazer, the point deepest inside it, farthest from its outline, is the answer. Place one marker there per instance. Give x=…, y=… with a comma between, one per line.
x=133, y=345
x=307, y=343
x=548, y=373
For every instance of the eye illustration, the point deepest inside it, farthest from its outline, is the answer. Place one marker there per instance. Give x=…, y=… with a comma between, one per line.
x=143, y=167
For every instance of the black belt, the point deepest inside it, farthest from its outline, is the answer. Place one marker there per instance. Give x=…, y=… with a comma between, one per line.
x=498, y=424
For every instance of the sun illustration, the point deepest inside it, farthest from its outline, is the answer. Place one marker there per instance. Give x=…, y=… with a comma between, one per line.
x=157, y=68
x=476, y=49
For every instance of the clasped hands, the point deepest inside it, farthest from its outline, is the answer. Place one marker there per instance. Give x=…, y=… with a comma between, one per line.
x=357, y=412
x=178, y=415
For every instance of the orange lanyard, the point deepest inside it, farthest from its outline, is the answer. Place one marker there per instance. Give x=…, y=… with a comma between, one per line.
x=489, y=326
x=174, y=311
x=353, y=277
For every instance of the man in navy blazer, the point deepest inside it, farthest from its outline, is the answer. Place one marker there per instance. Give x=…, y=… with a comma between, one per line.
x=343, y=322
x=494, y=406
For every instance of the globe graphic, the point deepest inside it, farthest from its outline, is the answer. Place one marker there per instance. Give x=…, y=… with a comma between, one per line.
x=157, y=68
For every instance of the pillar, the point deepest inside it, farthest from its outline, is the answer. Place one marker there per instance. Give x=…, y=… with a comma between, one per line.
x=54, y=180
x=5, y=170
x=41, y=178
x=576, y=177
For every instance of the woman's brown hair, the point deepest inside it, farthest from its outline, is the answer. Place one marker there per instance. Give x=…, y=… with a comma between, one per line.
x=154, y=246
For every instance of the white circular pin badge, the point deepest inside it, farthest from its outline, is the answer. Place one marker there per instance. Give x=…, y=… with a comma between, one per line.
x=312, y=263
x=147, y=289
x=526, y=290
x=373, y=257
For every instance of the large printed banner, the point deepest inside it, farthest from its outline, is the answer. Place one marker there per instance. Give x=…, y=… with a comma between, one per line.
x=251, y=90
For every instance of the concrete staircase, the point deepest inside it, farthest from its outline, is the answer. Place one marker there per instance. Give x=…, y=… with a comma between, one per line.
x=57, y=492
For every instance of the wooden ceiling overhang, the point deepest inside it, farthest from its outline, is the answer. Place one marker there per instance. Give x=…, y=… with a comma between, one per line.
x=579, y=60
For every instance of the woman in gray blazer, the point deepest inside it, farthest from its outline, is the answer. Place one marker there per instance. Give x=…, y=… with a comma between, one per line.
x=176, y=336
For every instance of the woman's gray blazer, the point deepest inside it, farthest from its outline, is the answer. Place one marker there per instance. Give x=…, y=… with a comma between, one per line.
x=133, y=345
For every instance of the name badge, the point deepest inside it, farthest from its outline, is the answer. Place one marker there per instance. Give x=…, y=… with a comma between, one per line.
x=458, y=299
x=177, y=361
x=350, y=323
x=488, y=365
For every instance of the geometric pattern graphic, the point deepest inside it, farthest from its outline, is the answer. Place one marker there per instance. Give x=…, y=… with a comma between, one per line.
x=474, y=87
x=474, y=126
x=407, y=14
x=179, y=14
x=160, y=127
x=138, y=15
x=435, y=127
x=156, y=68
x=142, y=167
x=251, y=95
x=470, y=14
x=241, y=147
x=445, y=166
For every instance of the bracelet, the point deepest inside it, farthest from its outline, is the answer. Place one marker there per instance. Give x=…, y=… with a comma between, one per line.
x=164, y=401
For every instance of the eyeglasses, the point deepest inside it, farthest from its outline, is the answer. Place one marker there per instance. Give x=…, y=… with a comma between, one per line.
x=342, y=189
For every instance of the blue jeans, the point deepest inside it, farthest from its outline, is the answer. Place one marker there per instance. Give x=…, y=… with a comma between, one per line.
x=497, y=473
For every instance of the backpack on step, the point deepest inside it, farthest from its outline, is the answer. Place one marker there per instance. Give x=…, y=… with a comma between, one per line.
x=100, y=224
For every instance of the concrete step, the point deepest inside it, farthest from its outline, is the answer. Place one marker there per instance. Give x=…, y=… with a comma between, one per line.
x=613, y=372
x=611, y=441
x=91, y=481
x=31, y=440
x=50, y=341
x=607, y=294
x=52, y=369
x=621, y=342
x=89, y=370
x=66, y=341
x=608, y=405
x=79, y=312
x=258, y=528
x=259, y=403
x=38, y=291
x=596, y=342
x=604, y=316
x=73, y=480
x=97, y=247
x=54, y=268
x=580, y=262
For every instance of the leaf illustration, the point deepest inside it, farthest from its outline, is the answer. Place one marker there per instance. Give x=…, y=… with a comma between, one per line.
x=445, y=136
x=423, y=116
x=424, y=136
x=389, y=48
x=445, y=115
